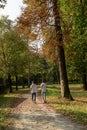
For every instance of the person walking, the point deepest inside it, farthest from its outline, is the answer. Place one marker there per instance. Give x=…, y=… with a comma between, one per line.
x=33, y=88
x=43, y=91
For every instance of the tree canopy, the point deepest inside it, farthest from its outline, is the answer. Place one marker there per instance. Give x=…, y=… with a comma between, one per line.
x=60, y=29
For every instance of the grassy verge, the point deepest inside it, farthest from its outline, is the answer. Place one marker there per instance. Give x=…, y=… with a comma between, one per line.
x=5, y=103
x=77, y=109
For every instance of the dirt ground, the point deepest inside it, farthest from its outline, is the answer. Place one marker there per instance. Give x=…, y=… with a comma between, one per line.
x=26, y=115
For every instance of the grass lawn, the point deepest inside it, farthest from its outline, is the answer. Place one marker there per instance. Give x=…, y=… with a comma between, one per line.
x=77, y=109
x=5, y=103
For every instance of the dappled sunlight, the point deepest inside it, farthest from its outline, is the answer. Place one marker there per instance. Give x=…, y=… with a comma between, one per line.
x=38, y=119
x=76, y=109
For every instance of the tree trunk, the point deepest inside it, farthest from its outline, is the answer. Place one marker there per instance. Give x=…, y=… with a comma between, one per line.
x=2, y=85
x=65, y=92
x=84, y=79
x=16, y=82
x=28, y=65
x=9, y=83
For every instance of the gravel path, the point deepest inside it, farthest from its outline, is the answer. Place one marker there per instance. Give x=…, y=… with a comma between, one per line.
x=26, y=115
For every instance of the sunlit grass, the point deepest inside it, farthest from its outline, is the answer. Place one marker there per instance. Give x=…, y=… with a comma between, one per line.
x=76, y=109
x=6, y=102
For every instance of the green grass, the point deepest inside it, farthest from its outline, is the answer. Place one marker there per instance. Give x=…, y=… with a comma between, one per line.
x=6, y=102
x=76, y=109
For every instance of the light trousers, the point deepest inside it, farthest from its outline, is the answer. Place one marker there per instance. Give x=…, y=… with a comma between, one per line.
x=44, y=96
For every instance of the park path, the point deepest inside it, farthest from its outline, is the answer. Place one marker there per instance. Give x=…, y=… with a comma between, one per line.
x=26, y=115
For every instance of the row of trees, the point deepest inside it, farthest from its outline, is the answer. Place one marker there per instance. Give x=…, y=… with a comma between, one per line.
x=12, y=51
x=19, y=62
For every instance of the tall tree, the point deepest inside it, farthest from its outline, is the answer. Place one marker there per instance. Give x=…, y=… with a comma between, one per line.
x=36, y=20
x=61, y=56
x=80, y=31
x=76, y=44
x=13, y=51
x=74, y=24
x=4, y=27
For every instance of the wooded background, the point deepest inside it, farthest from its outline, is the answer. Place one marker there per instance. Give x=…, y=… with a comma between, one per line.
x=48, y=42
